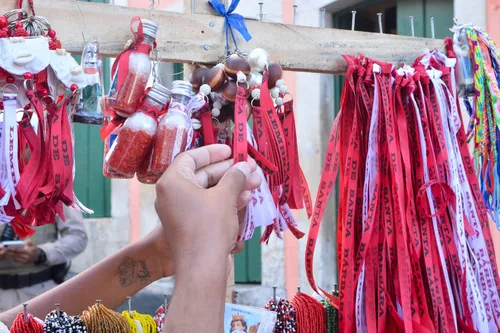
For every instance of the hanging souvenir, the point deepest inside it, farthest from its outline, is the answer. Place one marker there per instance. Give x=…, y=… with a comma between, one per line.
x=236, y=98
x=133, y=68
x=172, y=136
x=481, y=97
x=409, y=206
x=89, y=109
x=137, y=135
x=37, y=162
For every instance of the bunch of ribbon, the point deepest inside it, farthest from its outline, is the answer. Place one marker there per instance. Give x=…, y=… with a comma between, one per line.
x=478, y=83
x=36, y=148
x=415, y=250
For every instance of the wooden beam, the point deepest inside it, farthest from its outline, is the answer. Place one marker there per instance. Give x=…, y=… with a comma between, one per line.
x=200, y=38
x=200, y=7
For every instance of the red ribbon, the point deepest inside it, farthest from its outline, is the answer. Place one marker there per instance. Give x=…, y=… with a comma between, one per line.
x=240, y=140
x=207, y=126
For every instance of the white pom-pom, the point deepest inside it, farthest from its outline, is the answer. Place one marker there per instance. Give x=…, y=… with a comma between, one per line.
x=256, y=94
x=205, y=89
x=275, y=92
x=215, y=112
x=279, y=101
x=258, y=59
x=284, y=89
x=280, y=83
x=217, y=105
x=196, y=124
x=241, y=77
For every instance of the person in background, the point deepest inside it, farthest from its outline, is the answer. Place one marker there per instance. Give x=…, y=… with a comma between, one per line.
x=43, y=262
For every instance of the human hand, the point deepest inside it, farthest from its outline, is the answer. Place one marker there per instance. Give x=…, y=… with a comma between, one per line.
x=254, y=328
x=198, y=199
x=27, y=254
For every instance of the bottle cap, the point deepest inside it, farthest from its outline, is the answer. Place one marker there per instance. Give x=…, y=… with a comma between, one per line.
x=159, y=93
x=181, y=87
x=149, y=28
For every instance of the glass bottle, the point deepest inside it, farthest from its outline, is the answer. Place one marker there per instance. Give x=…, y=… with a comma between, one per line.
x=106, y=170
x=173, y=130
x=465, y=73
x=90, y=110
x=128, y=97
x=137, y=133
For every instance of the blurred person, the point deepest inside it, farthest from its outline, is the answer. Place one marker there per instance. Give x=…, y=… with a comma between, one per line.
x=42, y=262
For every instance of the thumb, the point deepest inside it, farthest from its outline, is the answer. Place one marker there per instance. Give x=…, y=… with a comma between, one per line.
x=234, y=181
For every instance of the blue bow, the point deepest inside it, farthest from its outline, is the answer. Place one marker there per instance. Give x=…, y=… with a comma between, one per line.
x=232, y=20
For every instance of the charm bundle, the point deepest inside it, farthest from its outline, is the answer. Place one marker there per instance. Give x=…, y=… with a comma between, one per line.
x=145, y=129
x=478, y=80
x=415, y=251
x=250, y=96
x=36, y=154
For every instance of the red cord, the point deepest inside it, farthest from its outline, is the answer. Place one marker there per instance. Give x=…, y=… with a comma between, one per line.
x=311, y=314
x=31, y=326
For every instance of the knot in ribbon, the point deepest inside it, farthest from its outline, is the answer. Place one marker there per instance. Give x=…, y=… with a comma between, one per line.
x=232, y=20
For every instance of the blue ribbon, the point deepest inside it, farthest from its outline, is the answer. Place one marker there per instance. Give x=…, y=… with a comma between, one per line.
x=232, y=20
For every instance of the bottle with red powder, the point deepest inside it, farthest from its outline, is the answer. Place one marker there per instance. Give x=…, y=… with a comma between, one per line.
x=137, y=134
x=106, y=170
x=145, y=173
x=173, y=129
x=128, y=97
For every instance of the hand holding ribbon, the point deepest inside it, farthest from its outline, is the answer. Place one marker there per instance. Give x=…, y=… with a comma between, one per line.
x=232, y=20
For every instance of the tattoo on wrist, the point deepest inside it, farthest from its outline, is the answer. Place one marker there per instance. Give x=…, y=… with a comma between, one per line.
x=131, y=271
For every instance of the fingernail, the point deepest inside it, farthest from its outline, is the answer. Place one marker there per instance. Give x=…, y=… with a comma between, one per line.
x=244, y=167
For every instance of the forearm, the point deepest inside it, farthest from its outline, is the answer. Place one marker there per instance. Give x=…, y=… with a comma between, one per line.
x=200, y=290
x=111, y=280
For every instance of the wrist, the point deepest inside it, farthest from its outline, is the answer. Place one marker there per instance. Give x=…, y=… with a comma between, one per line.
x=40, y=257
x=209, y=264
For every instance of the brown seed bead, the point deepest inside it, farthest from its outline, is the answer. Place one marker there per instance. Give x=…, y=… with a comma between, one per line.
x=236, y=64
x=215, y=78
x=197, y=77
x=275, y=73
x=229, y=91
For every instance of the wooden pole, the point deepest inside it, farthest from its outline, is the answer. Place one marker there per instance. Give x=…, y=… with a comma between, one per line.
x=200, y=38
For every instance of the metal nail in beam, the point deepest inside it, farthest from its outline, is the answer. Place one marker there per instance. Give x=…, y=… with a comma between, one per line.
x=323, y=14
x=433, y=28
x=381, y=29
x=353, y=20
x=129, y=302
x=25, y=312
x=412, y=25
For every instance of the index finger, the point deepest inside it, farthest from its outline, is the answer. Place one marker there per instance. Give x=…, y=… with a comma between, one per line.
x=201, y=157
